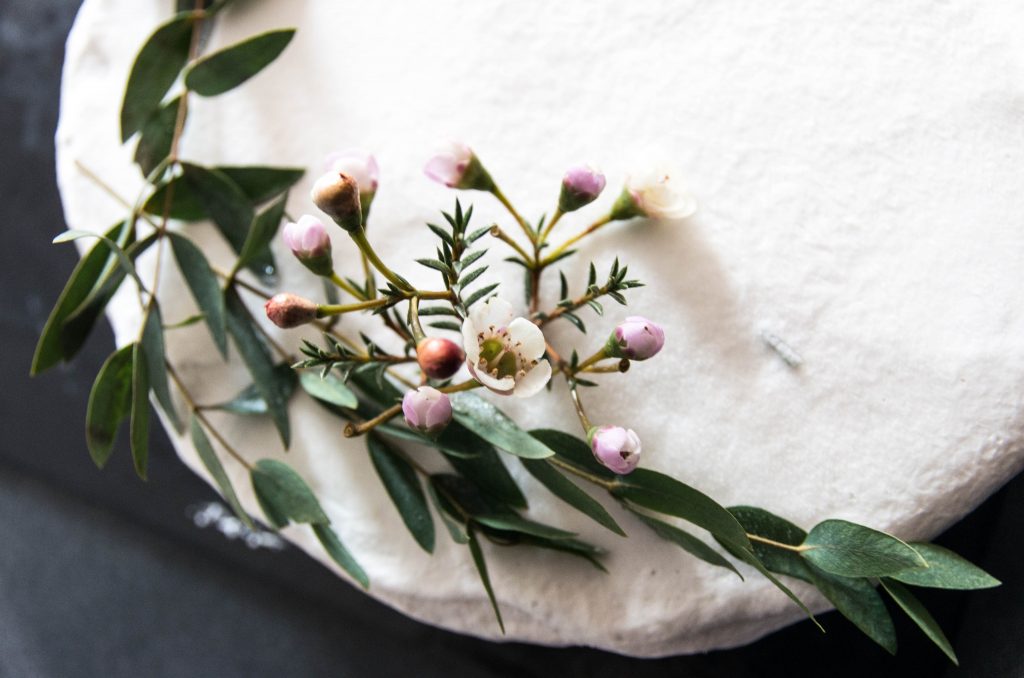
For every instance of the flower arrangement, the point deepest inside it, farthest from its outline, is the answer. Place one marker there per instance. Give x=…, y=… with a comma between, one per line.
x=411, y=403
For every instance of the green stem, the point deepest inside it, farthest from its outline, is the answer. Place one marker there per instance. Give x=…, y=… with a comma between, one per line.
x=580, y=473
x=324, y=310
x=778, y=544
x=576, y=238
x=418, y=334
x=359, y=237
x=345, y=285
x=592, y=360
x=578, y=404
x=550, y=227
x=467, y=385
x=515, y=215
x=507, y=239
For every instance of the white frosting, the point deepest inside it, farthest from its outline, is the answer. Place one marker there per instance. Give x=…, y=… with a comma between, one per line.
x=858, y=168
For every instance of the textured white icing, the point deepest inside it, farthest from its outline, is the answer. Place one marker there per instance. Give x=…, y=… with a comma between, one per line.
x=858, y=167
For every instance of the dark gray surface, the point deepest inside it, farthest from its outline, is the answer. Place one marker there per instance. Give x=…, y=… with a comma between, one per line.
x=101, y=574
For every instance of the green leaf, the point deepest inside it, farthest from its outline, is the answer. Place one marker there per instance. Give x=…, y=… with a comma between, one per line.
x=574, y=547
x=212, y=463
x=157, y=137
x=491, y=424
x=485, y=579
x=489, y=473
x=202, y=282
x=402, y=485
x=453, y=521
x=80, y=283
x=748, y=556
x=222, y=200
x=511, y=522
x=852, y=550
x=155, y=69
x=258, y=360
x=859, y=602
x=139, y=418
x=256, y=253
x=658, y=492
x=284, y=496
x=156, y=362
x=328, y=388
x=259, y=184
x=122, y=258
x=917, y=612
x=339, y=554
x=570, y=493
x=946, y=570
x=571, y=449
x=759, y=522
x=228, y=68
x=109, y=403
x=480, y=294
x=247, y=402
x=689, y=543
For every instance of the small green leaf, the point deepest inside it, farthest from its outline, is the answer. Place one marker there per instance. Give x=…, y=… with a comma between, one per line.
x=230, y=67
x=211, y=461
x=247, y=402
x=574, y=547
x=402, y=485
x=156, y=67
x=153, y=342
x=157, y=137
x=751, y=559
x=485, y=469
x=917, y=612
x=659, y=492
x=946, y=570
x=122, y=257
x=859, y=602
x=109, y=403
x=511, y=522
x=259, y=184
x=139, y=418
x=852, y=550
x=339, y=554
x=255, y=252
x=258, y=360
x=202, y=282
x=689, y=543
x=485, y=579
x=284, y=496
x=480, y=294
x=491, y=424
x=328, y=388
x=222, y=200
x=570, y=493
x=187, y=322
x=571, y=449
x=757, y=521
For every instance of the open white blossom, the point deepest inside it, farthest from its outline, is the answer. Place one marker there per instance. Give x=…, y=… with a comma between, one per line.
x=505, y=353
x=659, y=194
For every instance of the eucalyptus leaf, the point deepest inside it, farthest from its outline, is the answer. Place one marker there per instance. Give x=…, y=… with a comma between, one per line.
x=228, y=68
x=946, y=570
x=566, y=490
x=258, y=183
x=157, y=137
x=247, y=402
x=852, y=550
x=284, y=496
x=859, y=602
x=449, y=446
x=139, y=417
x=255, y=252
x=453, y=521
x=512, y=522
x=485, y=578
x=156, y=361
x=757, y=521
x=222, y=201
x=258, y=360
x=110, y=402
x=402, y=485
x=328, y=388
x=489, y=473
x=574, y=547
x=920, y=615
x=202, y=282
x=686, y=541
x=336, y=550
x=571, y=449
x=491, y=424
x=119, y=253
x=211, y=461
x=155, y=69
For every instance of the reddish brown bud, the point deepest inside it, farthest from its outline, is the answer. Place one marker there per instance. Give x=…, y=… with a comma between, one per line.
x=439, y=358
x=337, y=196
x=288, y=310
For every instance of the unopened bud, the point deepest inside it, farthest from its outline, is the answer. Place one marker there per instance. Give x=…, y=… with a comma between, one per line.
x=308, y=240
x=580, y=186
x=427, y=410
x=456, y=166
x=615, y=447
x=289, y=310
x=635, y=338
x=439, y=358
x=337, y=196
x=363, y=168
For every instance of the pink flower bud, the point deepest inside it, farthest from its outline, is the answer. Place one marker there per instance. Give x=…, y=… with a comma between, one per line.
x=635, y=338
x=360, y=166
x=289, y=310
x=308, y=240
x=337, y=196
x=580, y=186
x=427, y=410
x=439, y=358
x=616, y=447
x=456, y=166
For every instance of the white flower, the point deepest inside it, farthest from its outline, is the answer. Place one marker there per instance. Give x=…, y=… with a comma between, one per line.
x=659, y=194
x=504, y=353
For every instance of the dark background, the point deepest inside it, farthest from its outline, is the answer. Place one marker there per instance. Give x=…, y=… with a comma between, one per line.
x=102, y=574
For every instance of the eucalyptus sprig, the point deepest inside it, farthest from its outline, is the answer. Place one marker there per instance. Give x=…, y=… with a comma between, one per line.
x=412, y=396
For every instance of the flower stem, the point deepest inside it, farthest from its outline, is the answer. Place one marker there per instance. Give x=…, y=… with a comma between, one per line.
x=507, y=239
x=580, y=473
x=467, y=385
x=418, y=334
x=359, y=237
x=345, y=285
x=515, y=215
x=550, y=227
x=324, y=310
x=353, y=430
x=576, y=238
x=578, y=404
x=592, y=360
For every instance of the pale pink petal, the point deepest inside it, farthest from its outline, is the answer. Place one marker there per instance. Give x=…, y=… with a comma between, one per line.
x=526, y=338
x=533, y=381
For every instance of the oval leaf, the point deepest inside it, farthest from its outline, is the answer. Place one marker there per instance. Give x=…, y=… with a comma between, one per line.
x=917, y=612
x=402, y=485
x=139, y=421
x=491, y=424
x=946, y=570
x=109, y=403
x=761, y=523
x=230, y=67
x=211, y=461
x=258, y=183
x=255, y=253
x=858, y=601
x=156, y=362
x=852, y=550
x=284, y=495
x=157, y=137
x=328, y=388
x=222, y=201
x=490, y=475
x=336, y=550
x=202, y=282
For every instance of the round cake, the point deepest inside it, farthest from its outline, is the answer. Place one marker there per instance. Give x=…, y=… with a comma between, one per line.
x=843, y=315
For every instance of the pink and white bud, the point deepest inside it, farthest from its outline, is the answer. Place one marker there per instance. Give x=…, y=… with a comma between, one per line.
x=657, y=193
x=439, y=358
x=456, y=166
x=580, y=186
x=337, y=196
x=289, y=310
x=308, y=240
x=427, y=410
x=616, y=448
x=636, y=338
x=360, y=166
